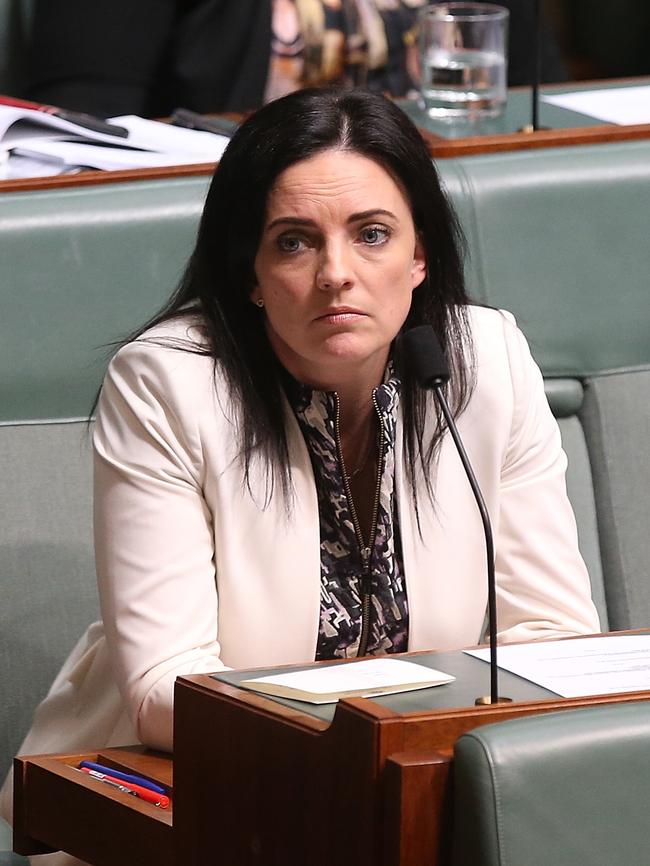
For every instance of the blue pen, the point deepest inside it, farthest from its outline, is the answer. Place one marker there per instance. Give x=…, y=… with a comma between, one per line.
x=124, y=777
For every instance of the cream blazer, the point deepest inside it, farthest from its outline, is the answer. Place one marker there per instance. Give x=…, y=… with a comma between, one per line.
x=195, y=573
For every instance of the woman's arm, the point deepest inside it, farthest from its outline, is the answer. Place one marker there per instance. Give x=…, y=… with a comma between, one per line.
x=153, y=529
x=543, y=585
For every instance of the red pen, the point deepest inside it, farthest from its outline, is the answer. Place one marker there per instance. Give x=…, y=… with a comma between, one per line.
x=161, y=800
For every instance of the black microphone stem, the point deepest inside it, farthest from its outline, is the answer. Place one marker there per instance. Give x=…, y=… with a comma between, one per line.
x=537, y=61
x=489, y=543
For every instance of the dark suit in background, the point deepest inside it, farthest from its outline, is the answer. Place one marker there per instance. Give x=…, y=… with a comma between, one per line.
x=147, y=57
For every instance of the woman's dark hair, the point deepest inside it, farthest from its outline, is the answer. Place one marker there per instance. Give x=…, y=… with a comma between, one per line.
x=220, y=274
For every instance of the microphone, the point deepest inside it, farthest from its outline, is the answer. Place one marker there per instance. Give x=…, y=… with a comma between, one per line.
x=426, y=359
x=537, y=62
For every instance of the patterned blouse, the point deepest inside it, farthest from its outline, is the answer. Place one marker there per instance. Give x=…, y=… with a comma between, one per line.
x=344, y=573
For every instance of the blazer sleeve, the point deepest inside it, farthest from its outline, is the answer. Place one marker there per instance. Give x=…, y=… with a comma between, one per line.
x=543, y=585
x=153, y=530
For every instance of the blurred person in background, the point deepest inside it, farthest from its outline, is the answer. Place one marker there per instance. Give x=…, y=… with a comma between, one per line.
x=147, y=58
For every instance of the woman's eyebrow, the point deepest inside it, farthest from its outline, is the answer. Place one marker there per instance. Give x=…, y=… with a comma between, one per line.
x=353, y=218
x=290, y=221
x=368, y=214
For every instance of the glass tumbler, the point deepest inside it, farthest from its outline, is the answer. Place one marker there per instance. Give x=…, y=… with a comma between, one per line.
x=463, y=59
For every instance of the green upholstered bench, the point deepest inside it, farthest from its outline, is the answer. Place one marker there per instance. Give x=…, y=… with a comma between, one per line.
x=79, y=269
x=567, y=789
x=559, y=237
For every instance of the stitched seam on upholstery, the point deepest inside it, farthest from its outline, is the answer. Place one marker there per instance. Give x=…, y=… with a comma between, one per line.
x=474, y=243
x=572, y=373
x=605, y=513
x=619, y=371
x=501, y=854
x=36, y=422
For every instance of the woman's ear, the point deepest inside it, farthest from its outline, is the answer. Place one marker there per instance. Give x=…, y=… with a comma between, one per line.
x=256, y=297
x=419, y=266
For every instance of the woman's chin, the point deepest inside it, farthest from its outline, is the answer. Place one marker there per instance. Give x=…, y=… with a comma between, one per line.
x=350, y=347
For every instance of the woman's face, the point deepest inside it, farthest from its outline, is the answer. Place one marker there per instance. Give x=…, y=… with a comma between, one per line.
x=336, y=266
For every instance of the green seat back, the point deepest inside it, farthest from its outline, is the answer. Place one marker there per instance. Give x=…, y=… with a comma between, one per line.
x=560, y=789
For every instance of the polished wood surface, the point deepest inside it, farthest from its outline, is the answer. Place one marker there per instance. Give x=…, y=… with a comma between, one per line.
x=259, y=783
x=278, y=787
x=57, y=807
x=417, y=807
x=92, y=178
x=441, y=148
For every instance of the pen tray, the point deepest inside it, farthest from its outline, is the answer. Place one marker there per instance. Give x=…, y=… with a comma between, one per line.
x=58, y=808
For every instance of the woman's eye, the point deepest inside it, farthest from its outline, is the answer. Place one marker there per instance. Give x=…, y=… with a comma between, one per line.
x=290, y=243
x=374, y=235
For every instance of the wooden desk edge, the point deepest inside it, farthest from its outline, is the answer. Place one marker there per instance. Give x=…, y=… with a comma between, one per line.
x=94, y=178
x=444, y=148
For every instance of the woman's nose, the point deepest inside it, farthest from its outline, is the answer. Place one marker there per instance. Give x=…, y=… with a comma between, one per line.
x=334, y=267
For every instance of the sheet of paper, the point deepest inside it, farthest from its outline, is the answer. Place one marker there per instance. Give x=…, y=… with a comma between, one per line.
x=371, y=674
x=106, y=158
x=14, y=167
x=167, y=138
x=18, y=124
x=581, y=667
x=622, y=105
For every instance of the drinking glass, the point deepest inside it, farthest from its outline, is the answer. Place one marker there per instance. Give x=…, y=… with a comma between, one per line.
x=463, y=63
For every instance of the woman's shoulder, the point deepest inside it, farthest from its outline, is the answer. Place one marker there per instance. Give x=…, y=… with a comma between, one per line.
x=176, y=342
x=490, y=322
x=495, y=335
x=185, y=332
x=170, y=361
x=505, y=370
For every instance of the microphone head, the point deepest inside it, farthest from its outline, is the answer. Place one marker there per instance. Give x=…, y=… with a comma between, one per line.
x=424, y=356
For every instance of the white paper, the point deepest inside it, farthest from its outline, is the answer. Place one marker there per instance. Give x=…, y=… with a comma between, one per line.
x=18, y=124
x=16, y=167
x=39, y=136
x=622, y=105
x=369, y=675
x=580, y=667
x=106, y=158
x=167, y=138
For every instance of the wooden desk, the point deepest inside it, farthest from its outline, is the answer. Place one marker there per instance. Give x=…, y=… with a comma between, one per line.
x=261, y=782
x=565, y=128
x=92, y=178
x=560, y=127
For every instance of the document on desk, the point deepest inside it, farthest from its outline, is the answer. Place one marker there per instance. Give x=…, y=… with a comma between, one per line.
x=577, y=668
x=329, y=683
x=149, y=144
x=622, y=105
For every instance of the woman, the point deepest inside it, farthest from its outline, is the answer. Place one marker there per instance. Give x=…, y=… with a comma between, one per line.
x=271, y=484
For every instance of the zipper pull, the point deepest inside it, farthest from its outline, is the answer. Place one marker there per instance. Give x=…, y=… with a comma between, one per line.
x=365, y=556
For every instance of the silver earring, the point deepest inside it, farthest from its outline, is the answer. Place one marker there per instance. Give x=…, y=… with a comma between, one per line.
x=260, y=302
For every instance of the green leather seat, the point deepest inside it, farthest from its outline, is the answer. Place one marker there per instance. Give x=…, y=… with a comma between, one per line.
x=566, y=789
x=81, y=268
x=559, y=237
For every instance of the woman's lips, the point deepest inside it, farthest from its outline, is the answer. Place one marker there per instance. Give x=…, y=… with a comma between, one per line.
x=340, y=315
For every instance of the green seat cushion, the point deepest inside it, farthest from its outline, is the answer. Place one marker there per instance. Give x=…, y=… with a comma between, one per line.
x=47, y=571
x=561, y=789
x=81, y=269
x=560, y=238
x=616, y=421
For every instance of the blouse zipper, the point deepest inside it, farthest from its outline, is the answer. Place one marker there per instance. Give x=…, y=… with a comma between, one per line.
x=364, y=550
